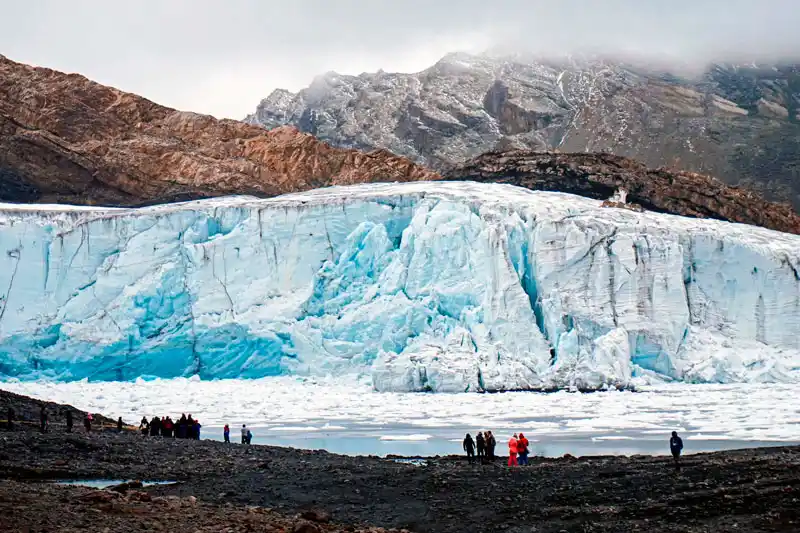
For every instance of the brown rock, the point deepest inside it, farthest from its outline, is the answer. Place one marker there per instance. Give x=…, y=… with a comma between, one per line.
x=64, y=138
x=305, y=527
x=599, y=175
x=316, y=515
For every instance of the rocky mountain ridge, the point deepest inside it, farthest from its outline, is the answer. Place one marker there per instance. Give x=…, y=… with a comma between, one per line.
x=738, y=123
x=66, y=139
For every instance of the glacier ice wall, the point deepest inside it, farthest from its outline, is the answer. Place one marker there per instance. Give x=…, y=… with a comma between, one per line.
x=423, y=286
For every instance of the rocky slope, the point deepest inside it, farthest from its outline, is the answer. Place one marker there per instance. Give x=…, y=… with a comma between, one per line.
x=741, y=124
x=599, y=175
x=64, y=138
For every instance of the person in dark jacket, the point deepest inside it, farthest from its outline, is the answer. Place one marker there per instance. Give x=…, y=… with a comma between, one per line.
x=69, y=421
x=469, y=447
x=480, y=443
x=119, y=425
x=676, y=447
x=491, y=444
x=42, y=419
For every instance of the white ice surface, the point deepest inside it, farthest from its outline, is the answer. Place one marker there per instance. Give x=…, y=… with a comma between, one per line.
x=291, y=409
x=422, y=286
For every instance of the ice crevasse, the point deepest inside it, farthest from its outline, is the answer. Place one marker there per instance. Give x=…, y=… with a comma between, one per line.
x=417, y=287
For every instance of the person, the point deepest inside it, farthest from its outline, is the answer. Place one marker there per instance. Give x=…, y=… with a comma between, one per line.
x=42, y=419
x=69, y=421
x=189, y=427
x=481, y=445
x=512, y=451
x=144, y=426
x=676, y=446
x=87, y=422
x=244, y=433
x=10, y=419
x=169, y=427
x=226, y=433
x=469, y=447
x=155, y=426
x=249, y=436
x=491, y=444
x=181, y=432
x=119, y=425
x=522, y=450
x=196, y=432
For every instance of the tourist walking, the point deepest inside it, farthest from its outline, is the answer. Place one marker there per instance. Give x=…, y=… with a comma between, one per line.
x=676, y=447
x=481, y=445
x=512, y=451
x=244, y=433
x=69, y=421
x=469, y=447
x=522, y=450
x=226, y=433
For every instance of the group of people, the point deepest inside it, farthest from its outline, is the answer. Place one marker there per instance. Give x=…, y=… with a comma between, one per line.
x=185, y=428
x=247, y=436
x=485, y=444
x=44, y=420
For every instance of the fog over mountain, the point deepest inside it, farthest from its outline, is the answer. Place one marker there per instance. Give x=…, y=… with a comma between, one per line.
x=221, y=58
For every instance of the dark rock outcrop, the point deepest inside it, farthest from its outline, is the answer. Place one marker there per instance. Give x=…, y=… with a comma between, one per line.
x=599, y=175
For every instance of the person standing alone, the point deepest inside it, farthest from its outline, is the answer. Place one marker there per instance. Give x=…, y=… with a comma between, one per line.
x=43, y=419
x=676, y=447
x=244, y=433
x=226, y=433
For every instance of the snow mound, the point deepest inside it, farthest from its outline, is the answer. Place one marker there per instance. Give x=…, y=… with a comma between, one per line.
x=412, y=287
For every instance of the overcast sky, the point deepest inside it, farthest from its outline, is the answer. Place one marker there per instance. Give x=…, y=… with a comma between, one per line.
x=221, y=57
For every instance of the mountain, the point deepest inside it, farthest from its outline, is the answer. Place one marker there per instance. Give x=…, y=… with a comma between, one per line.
x=446, y=287
x=739, y=123
x=66, y=139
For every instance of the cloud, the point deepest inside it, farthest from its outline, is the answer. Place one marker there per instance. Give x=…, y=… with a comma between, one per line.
x=222, y=57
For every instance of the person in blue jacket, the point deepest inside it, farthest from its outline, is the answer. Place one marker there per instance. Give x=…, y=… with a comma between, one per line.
x=676, y=446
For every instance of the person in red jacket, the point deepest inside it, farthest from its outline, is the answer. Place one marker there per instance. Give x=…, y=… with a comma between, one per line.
x=512, y=450
x=522, y=449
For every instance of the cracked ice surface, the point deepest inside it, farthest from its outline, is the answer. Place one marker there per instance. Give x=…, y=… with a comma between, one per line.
x=422, y=286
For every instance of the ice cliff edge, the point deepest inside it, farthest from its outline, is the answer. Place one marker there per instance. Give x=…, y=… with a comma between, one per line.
x=419, y=286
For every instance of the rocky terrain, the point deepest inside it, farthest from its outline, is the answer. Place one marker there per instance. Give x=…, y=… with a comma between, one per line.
x=230, y=487
x=738, y=123
x=599, y=175
x=66, y=139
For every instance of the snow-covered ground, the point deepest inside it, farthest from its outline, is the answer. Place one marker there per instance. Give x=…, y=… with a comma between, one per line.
x=447, y=287
x=348, y=417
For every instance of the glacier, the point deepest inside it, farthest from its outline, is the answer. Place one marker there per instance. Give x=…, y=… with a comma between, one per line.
x=445, y=287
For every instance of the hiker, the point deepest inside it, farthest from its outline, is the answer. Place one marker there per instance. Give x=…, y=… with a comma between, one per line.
x=249, y=437
x=10, y=419
x=43, y=419
x=69, y=421
x=169, y=427
x=469, y=447
x=491, y=443
x=87, y=422
x=189, y=427
x=226, y=433
x=676, y=446
x=144, y=426
x=512, y=451
x=181, y=433
x=119, y=425
x=481, y=445
x=522, y=450
x=245, y=431
x=196, y=432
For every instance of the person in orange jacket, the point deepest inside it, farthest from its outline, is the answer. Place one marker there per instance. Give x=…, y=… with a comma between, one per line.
x=512, y=450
